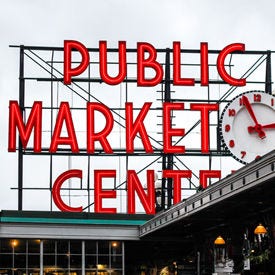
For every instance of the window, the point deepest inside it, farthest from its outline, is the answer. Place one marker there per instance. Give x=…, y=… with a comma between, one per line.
x=61, y=256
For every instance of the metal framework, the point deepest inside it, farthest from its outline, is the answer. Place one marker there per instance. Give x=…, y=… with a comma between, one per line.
x=41, y=78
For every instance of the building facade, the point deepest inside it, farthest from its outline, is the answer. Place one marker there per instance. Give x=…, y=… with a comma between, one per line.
x=182, y=239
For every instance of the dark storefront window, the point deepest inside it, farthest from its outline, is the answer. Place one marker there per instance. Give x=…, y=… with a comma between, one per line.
x=5, y=261
x=75, y=256
x=49, y=256
x=62, y=247
x=5, y=246
x=91, y=257
x=49, y=247
x=61, y=257
x=33, y=246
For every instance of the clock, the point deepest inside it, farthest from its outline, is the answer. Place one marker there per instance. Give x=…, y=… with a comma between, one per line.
x=247, y=125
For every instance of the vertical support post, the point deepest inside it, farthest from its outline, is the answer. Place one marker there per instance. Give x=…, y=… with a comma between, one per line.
x=167, y=159
x=268, y=81
x=198, y=262
x=12, y=270
x=237, y=233
x=27, y=258
x=20, y=148
x=52, y=108
x=163, y=184
x=123, y=258
x=89, y=157
x=41, y=257
x=83, y=259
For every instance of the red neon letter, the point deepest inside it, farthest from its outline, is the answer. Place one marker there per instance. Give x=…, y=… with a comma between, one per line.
x=64, y=115
x=204, y=109
x=134, y=185
x=177, y=175
x=132, y=128
x=103, y=63
x=169, y=132
x=177, y=80
x=69, y=45
x=221, y=68
x=102, y=135
x=34, y=122
x=57, y=188
x=206, y=174
x=204, y=64
x=150, y=62
x=100, y=193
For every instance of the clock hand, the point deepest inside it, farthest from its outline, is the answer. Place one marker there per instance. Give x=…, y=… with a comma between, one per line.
x=258, y=127
x=248, y=106
x=267, y=126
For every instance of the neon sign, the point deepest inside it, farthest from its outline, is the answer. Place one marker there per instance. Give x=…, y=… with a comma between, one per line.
x=149, y=62
x=146, y=56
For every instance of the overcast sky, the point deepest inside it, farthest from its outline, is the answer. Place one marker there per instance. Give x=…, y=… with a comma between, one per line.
x=159, y=22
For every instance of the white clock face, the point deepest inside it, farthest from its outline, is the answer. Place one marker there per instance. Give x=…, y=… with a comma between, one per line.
x=248, y=125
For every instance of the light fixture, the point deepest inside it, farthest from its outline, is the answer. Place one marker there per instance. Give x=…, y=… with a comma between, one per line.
x=14, y=243
x=219, y=241
x=114, y=244
x=260, y=229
